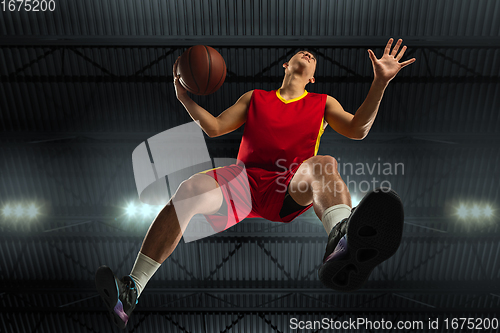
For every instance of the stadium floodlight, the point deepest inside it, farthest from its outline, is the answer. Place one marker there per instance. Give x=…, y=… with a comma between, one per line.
x=131, y=209
x=7, y=211
x=462, y=211
x=487, y=211
x=19, y=211
x=32, y=211
x=476, y=211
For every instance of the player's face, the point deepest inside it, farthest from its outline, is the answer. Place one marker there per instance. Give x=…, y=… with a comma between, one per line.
x=307, y=55
x=304, y=60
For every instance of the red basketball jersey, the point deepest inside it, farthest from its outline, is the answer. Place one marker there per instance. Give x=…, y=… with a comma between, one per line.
x=281, y=134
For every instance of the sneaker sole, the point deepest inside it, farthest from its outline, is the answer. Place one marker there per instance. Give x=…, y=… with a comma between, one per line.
x=107, y=288
x=373, y=235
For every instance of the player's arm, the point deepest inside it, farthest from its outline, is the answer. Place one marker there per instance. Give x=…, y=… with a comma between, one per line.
x=337, y=117
x=358, y=125
x=340, y=120
x=233, y=117
x=385, y=69
x=226, y=122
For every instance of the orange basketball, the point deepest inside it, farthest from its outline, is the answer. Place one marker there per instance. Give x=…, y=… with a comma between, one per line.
x=202, y=70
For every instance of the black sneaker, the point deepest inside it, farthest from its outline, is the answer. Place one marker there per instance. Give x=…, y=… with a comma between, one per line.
x=120, y=296
x=356, y=245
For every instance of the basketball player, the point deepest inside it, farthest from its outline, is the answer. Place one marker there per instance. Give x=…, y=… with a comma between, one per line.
x=286, y=177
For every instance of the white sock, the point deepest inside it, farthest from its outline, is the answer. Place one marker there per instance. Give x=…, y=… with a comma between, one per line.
x=143, y=270
x=333, y=215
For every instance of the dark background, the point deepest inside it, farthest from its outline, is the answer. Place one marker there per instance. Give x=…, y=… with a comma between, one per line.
x=82, y=86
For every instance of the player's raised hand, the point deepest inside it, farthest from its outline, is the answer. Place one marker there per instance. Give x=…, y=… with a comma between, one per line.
x=179, y=89
x=386, y=68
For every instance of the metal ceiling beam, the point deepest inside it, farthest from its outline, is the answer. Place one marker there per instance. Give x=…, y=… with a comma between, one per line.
x=348, y=149
x=341, y=147
x=236, y=79
x=244, y=237
x=259, y=310
x=255, y=287
x=102, y=139
x=250, y=41
x=53, y=227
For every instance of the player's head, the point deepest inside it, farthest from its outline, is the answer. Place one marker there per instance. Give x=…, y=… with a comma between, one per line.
x=303, y=63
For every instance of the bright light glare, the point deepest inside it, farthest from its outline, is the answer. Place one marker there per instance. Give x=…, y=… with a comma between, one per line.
x=487, y=211
x=145, y=210
x=19, y=211
x=32, y=211
x=476, y=211
x=462, y=211
x=131, y=209
x=355, y=201
x=7, y=211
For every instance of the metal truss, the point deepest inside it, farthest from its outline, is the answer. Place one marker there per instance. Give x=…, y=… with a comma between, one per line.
x=248, y=41
x=62, y=233
x=297, y=287
x=432, y=45
x=280, y=288
x=236, y=79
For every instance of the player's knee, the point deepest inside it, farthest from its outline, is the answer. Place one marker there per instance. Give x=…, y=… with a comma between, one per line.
x=195, y=186
x=330, y=164
x=185, y=190
x=322, y=165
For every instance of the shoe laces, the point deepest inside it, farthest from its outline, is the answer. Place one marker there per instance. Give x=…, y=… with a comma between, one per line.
x=129, y=291
x=339, y=229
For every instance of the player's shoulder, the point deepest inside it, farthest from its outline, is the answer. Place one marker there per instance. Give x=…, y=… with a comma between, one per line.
x=310, y=93
x=330, y=99
x=261, y=93
x=245, y=98
x=249, y=93
x=318, y=96
x=332, y=103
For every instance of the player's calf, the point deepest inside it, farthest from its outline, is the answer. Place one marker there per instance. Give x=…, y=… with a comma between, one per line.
x=199, y=194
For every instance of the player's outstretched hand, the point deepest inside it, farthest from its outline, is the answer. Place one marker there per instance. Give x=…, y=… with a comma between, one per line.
x=180, y=91
x=386, y=68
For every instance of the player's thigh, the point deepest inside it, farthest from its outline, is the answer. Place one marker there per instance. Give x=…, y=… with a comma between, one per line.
x=200, y=194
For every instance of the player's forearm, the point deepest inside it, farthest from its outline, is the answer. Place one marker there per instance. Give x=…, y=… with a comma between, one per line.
x=208, y=122
x=365, y=116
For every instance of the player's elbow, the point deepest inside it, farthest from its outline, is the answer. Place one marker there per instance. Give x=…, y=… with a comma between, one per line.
x=212, y=133
x=357, y=137
x=212, y=130
x=358, y=134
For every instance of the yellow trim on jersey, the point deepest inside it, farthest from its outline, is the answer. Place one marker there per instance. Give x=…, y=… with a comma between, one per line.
x=292, y=100
x=210, y=170
x=321, y=130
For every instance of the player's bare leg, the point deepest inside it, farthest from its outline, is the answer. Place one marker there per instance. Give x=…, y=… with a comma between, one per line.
x=200, y=194
x=360, y=238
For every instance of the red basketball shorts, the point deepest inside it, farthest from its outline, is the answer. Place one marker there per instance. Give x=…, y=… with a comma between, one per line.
x=251, y=193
